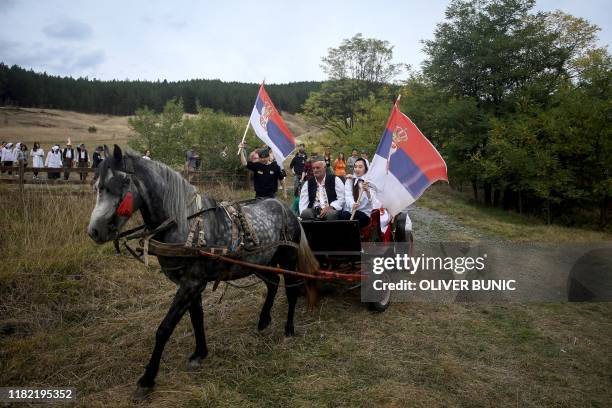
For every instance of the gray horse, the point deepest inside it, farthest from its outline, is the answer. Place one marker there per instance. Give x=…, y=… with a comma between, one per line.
x=160, y=194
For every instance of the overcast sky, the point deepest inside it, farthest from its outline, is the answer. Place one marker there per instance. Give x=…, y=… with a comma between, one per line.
x=229, y=40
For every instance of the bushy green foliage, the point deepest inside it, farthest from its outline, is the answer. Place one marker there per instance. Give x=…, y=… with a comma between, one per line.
x=171, y=133
x=517, y=102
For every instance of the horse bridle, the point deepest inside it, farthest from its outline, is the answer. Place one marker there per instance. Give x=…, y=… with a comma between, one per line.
x=119, y=184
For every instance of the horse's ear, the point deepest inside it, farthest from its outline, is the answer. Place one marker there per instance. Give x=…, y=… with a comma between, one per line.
x=117, y=154
x=106, y=152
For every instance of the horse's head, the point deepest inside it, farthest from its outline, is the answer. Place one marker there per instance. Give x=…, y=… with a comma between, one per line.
x=117, y=196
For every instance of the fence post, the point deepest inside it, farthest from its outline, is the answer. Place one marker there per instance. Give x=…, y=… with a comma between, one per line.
x=21, y=177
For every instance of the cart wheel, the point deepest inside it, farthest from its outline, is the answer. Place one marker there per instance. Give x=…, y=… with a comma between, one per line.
x=384, y=298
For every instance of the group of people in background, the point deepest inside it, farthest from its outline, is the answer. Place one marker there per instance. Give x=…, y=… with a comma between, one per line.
x=56, y=158
x=13, y=155
x=324, y=189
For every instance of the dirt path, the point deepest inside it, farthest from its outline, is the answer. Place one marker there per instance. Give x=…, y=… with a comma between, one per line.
x=433, y=226
x=542, y=270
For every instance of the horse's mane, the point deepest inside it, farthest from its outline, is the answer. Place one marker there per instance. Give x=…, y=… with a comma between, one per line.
x=177, y=195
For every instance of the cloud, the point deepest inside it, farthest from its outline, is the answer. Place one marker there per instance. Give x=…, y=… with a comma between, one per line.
x=67, y=28
x=6, y=5
x=54, y=60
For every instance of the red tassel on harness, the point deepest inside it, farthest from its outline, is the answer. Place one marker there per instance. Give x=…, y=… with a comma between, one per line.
x=125, y=208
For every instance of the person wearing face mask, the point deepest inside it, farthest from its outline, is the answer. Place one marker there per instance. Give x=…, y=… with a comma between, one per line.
x=359, y=196
x=54, y=161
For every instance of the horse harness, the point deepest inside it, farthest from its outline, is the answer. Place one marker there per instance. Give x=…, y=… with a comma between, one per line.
x=244, y=240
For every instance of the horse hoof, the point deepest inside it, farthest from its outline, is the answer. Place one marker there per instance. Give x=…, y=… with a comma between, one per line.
x=289, y=331
x=264, y=322
x=142, y=393
x=194, y=363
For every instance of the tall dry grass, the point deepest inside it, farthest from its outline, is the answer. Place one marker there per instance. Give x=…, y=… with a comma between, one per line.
x=75, y=314
x=49, y=262
x=46, y=253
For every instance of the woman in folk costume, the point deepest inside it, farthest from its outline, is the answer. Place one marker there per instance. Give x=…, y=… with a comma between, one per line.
x=21, y=156
x=38, y=158
x=7, y=156
x=54, y=161
x=359, y=196
x=16, y=151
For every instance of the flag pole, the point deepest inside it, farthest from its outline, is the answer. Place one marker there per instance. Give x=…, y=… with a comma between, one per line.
x=244, y=136
x=248, y=123
x=355, y=209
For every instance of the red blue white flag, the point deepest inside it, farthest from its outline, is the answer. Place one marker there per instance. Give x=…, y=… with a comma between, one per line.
x=405, y=163
x=269, y=126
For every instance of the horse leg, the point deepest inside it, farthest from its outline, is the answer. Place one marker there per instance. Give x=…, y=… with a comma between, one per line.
x=288, y=260
x=292, y=291
x=182, y=299
x=271, y=280
x=197, y=321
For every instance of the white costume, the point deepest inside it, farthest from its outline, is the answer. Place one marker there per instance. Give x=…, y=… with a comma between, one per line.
x=365, y=204
x=321, y=195
x=16, y=152
x=7, y=152
x=38, y=157
x=54, y=158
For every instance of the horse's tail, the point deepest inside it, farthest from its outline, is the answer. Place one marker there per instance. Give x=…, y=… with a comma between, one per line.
x=307, y=263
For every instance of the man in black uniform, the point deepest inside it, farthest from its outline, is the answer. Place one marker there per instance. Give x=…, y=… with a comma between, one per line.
x=266, y=174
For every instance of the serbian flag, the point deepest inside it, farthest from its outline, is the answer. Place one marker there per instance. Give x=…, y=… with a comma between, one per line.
x=405, y=163
x=269, y=126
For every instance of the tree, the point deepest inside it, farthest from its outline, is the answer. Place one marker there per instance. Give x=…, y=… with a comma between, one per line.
x=169, y=134
x=27, y=88
x=164, y=134
x=511, y=64
x=358, y=68
x=488, y=49
x=361, y=59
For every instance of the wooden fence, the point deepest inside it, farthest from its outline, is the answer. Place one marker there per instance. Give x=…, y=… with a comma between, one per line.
x=22, y=175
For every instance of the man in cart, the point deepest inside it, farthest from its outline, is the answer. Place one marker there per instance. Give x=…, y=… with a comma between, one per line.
x=322, y=197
